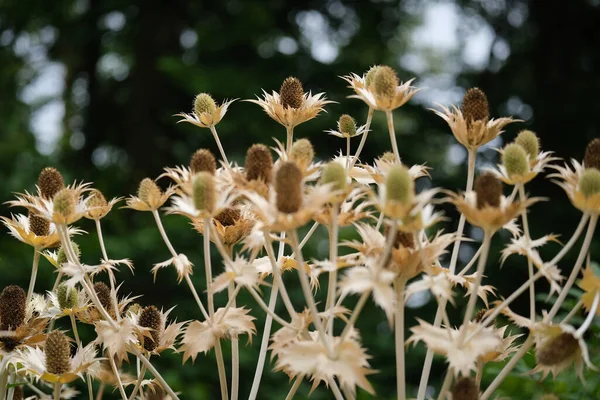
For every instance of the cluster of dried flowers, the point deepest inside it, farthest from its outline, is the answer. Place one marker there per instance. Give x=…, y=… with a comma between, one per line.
x=251, y=214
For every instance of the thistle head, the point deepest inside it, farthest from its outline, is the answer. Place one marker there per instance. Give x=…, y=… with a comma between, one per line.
x=514, y=159
x=488, y=189
x=203, y=160
x=97, y=199
x=150, y=318
x=370, y=75
x=104, y=295
x=557, y=350
x=465, y=388
x=204, y=192
x=291, y=93
x=589, y=184
x=400, y=187
x=385, y=82
x=12, y=307
x=38, y=225
x=347, y=125
x=302, y=153
x=204, y=104
x=475, y=106
x=259, y=164
x=61, y=256
x=530, y=142
x=229, y=216
x=592, y=154
x=58, y=353
x=50, y=182
x=288, y=188
x=148, y=191
x=65, y=202
x=335, y=174
x=66, y=296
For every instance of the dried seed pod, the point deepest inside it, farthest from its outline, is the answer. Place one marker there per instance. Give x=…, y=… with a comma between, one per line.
x=259, y=164
x=204, y=192
x=530, y=143
x=288, y=187
x=291, y=93
x=67, y=296
x=488, y=189
x=12, y=307
x=148, y=191
x=475, y=106
x=589, y=184
x=64, y=202
x=592, y=154
x=50, y=182
x=96, y=199
x=399, y=185
x=385, y=82
x=557, y=350
x=335, y=174
x=150, y=318
x=347, y=125
x=38, y=225
x=203, y=160
x=204, y=104
x=302, y=153
x=228, y=216
x=103, y=293
x=465, y=388
x=514, y=159
x=58, y=353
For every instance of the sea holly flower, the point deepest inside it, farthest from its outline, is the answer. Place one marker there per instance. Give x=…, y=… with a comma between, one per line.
x=149, y=196
x=26, y=229
x=98, y=206
x=155, y=335
x=377, y=173
x=346, y=128
x=240, y=271
x=206, y=113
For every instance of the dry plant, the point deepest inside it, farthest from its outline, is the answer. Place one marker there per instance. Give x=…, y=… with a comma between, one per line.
x=252, y=214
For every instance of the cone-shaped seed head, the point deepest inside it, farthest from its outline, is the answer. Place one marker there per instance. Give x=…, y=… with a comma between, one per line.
x=50, y=181
x=259, y=163
x=150, y=318
x=38, y=225
x=589, y=184
x=204, y=192
x=347, y=125
x=291, y=93
x=96, y=199
x=302, y=153
x=557, y=350
x=203, y=160
x=530, y=143
x=103, y=293
x=66, y=295
x=399, y=185
x=334, y=173
x=370, y=75
x=204, y=103
x=515, y=160
x=385, y=82
x=61, y=256
x=475, y=106
x=58, y=353
x=488, y=189
x=228, y=216
x=592, y=154
x=288, y=187
x=148, y=190
x=465, y=388
x=64, y=202
x=12, y=307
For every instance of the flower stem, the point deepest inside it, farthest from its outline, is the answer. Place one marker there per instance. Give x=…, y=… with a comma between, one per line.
x=294, y=387
x=156, y=375
x=138, y=383
x=277, y=279
x=445, y=385
x=347, y=153
x=333, y=254
x=34, y=270
x=363, y=140
x=111, y=360
x=235, y=349
x=529, y=263
x=289, y=139
x=218, y=141
x=110, y=274
x=270, y=312
x=400, y=285
x=479, y=276
x=355, y=313
x=390, y=123
x=57, y=387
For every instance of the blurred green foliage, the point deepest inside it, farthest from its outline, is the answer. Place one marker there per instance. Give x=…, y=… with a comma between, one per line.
x=126, y=67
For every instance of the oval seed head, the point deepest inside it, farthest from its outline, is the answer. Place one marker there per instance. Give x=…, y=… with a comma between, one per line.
x=97, y=199
x=61, y=256
x=514, y=159
x=465, y=388
x=385, y=82
x=334, y=173
x=58, y=353
x=259, y=163
x=388, y=157
x=12, y=307
x=475, y=106
x=347, y=125
x=288, y=188
x=488, y=189
x=557, y=350
x=148, y=191
x=302, y=153
x=67, y=296
x=150, y=318
x=592, y=154
x=50, y=182
x=399, y=185
x=291, y=93
x=530, y=143
x=589, y=184
x=203, y=160
x=370, y=74
x=204, y=104
x=228, y=216
x=38, y=225
x=103, y=293
x=204, y=192
x=64, y=202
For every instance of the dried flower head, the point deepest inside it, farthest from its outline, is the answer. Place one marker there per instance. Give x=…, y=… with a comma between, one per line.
x=104, y=295
x=570, y=181
x=347, y=125
x=288, y=188
x=206, y=113
x=557, y=350
x=97, y=206
x=259, y=163
x=370, y=75
x=530, y=142
x=148, y=190
x=465, y=388
x=475, y=107
x=38, y=225
x=516, y=162
x=384, y=82
x=12, y=307
x=203, y=160
x=58, y=353
x=380, y=88
x=204, y=104
x=65, y=203
x=67, y=296
x=204, y=192
x=50, y=182
x=488, y=189
x=149, y=196
x=592, y=154
x=150, y=318
x=302, y=153
x=589, y=184
x=291, y=92
x=335, y=174
x=399, y=191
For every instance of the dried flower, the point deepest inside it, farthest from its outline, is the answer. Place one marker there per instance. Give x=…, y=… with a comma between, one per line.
x=291, y=93
x=259, y=164
x=12, y=307
x=150, y=318
x=380, y=88
x=50, y=182
x=465, y=388
x=58, y=352
x=592, y=154
x=203, y=160
x=302, y=153
x=530, y=142
x=516, y=162
x=206, y=113
x=288, y=186
x=203, y=192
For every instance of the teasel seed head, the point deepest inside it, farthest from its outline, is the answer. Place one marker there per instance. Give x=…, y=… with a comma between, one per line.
x=228, y=216
x=589, y=184
x=347, y=125
x=370, y=75
x=557, y=350
x=203, y=160
x=475, y=106
x=530, y=142
x=259, y=164
x=64, y=202
x=38, y=225
x=204, y=192
x=465, y=388
x=288, y=187
x=12, y=307
x=515, y=160
x=592, y=154
x=302, y=153
x=399, y=185
x=50, y=182
x=150, y=318
x=335, y=174
x=204, y=104
x=488, y=189
x=58, y=353
x=61, y=256
x=148, y=190
x=291, y=93
x=385, y=82
x=103, y=293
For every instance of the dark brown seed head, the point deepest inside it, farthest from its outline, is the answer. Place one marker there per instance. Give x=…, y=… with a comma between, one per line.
x=103, y=293
x=58, y=353
x=259, y=163
x=150, y=318
x=291, y=93
x=288, y=187
x=203, y=160
x=475, y=106
x=488, y=189
x=50, y=181
x=38, y=225
x=228, y=216
x=557, y=350
x=592, y=154
x=18, y=394
x=465, y=388
x=12, y=307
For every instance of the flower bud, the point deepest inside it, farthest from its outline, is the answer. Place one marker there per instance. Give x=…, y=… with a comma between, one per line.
x=399, y=185
x=514, y=158
x=66, y=296
x=64, y=202
x=12, y=307
x=334, y=173
x=557, y=349
x=475, y=106
x=150, y=318
x=50, y=182
x=259, y=164
x=530, y=142
x=291, y=93
x=347, y=125
x=203, y=160
x=204, y=192
x=288, y=188
x=589, y=184
x=104, y=295
x=370, y=75
x=592, y=154
x=465, y=388
x=488, y=189
x=148, y=191
x=385, y=82
x=61, y=256
x=38, y=225
x=58, y=353
x=96, y=199
x=204, y=104
x=302, y=153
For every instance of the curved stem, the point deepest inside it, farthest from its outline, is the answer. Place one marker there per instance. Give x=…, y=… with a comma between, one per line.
x=355, y=313
x=363, y=140
x=262, y=305
x=390, y=122
x=110, y=274
x=277, y=278
x=111, y=360
x=156, y=375
x=216, y=136
x=571, y=242
x=446, y=384
x=235, y=348
x=190, y=284
x=400, y=285
x=163, y=234
x=34, y=270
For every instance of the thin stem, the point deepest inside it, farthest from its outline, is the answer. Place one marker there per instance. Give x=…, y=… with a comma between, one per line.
x=446, y=384
x=479, y=276
x=363, y=140
x=11, y=386
x=529, y=263
x=479, y=373
x=101, y=239
x=216, y=136
x=289, y=139
x=574, y=311
x=277, y=279
x=333, y=254
x=3, y=377
x=571, y=242
x=111, y=276
x=163, y=234
x=294, y=387
x=335, y=390
x=156, y=375
x=190, y=284
x=34, y=270
x=310, y=232
x=262, y=305
x=400, y=285
x=221, y=368
x=471, y=262
x=138, y=383
x=347, y=153
x=75, y=331
x=355, y=313
x=230, y=303
x=390, y=123
x=57, y=387
x=111, y=360
x=590, y=317
x=235, y=349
